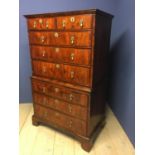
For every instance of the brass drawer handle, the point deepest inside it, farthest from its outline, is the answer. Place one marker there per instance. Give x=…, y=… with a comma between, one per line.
x=56, y=34
x=72, y=19
x=72, y=74
x=71, y=97
x=56, y=90
x=44, y=69
x=70, y=108
x=56, y=50
x=57, y=66
x=56, y=114
x=34, y=24
x=72, y=56
x=81, y=23
x=42, y=39
x=44, y=101
x=63, y=23
x=43, y=89
x=56, y=101
x=70, y=123
x=72, y=40
x=40, y=21
x=47, y=24
x=43, y=53
x=45, y=114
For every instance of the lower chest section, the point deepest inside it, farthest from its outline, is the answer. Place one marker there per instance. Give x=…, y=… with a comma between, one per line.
x=64, y=107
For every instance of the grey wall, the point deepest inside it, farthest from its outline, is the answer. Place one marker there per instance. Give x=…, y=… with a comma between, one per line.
x=122, y=68
x=121, y=83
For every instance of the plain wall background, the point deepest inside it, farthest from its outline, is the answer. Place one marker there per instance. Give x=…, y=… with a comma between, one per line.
x=122, y=54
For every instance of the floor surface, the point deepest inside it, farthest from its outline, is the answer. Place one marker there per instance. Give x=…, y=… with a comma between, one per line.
x=43, y=140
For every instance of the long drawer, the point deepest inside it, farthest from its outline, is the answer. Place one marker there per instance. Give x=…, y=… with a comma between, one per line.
x=72, y=74
x=66, y=55
x=74, y=125
x=81, y=39
x=62, y=106
x=60, y=92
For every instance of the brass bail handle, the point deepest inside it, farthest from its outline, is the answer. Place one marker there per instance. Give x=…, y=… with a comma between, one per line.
x=42, y=38
x=72, y=74
x=81, y=23
x=71, y=97
x=72, y=56
x=34, y=24
x=41, y=22
x=47, y=24
x=72, y=39
x=63, y=23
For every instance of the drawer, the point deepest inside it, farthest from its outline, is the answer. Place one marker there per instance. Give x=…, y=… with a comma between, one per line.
x=72, y=74
x=39, y=38
x=74, y=22
x=59, y=119
x=66, y=55
x=67, y=108
x=41, y=23
x=82, y=39
x=63, y=93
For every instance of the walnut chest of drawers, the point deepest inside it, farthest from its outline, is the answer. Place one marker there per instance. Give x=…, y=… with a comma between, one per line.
x=69, y=71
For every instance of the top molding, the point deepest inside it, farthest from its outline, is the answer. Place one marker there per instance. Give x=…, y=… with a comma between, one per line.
x=66, y=13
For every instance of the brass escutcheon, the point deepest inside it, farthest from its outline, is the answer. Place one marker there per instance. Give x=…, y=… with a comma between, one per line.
x=57, y=66
x=72, y=19
x=56, y=34
x=56, y=90
x=56, y=50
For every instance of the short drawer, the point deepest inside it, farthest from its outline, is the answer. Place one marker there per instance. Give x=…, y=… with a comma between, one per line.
x=60, y=92
x=74, y=22
x=66, y=55
x=72, y=74
x=59, y=119
x=62, y=106
x=81, y=39
x=41, y=23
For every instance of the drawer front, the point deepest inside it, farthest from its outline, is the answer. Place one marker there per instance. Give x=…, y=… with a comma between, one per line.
x=73, y=74
x=51, y=116
x=67, y=108
x=66, y=94
x=41, y=23
x=82, y=39
x=66, y=55
x=74, y=22
x=41, y=38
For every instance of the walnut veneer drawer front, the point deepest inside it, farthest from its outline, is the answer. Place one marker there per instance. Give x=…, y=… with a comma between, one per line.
x=41, y=23
x=74, y=22
x=60, y=92
x=66, y=55
x=69, y=58
x=82, y=39
x=73, y=74
x=62, y=106
x=74, y=125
